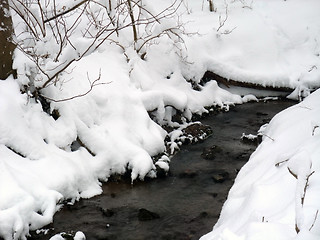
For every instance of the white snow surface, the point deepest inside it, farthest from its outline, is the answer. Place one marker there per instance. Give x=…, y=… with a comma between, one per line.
x=265, y=201
x=272, y=43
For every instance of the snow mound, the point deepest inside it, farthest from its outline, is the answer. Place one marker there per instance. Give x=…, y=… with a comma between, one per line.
x=276, y=195
x=65, y=149
x=269, y=43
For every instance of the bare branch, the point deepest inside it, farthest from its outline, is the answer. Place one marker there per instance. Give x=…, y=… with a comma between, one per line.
x=102, y=24
x=305, y=188
x=279, y=163
x=314, y=129
x=315, y=218
x=292, y=173
x=223, y=21
x=92, y=85
x=268, y=136
x=67, y=11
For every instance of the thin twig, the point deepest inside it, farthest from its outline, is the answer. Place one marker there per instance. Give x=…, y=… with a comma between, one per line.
x=67, y=11
x=315, y=218
x=279, y=163
x=268, y=136
x=305, y=187
x=222, y=22
x=314, y=129
x=92, y=85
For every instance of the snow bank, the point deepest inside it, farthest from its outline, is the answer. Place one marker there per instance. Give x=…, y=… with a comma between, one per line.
x=38, y=165
x=270, y=43
x=276, y=195
x=45, y=160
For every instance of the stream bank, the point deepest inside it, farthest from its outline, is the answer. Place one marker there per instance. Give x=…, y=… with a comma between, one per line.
x=185, y=204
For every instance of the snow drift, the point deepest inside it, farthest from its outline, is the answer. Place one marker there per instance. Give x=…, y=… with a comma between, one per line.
x=276, y=195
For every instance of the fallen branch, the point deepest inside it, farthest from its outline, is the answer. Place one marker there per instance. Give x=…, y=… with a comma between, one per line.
x=209, y=75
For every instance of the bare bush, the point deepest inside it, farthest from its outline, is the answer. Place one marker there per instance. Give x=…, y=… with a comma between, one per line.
x=53, y=35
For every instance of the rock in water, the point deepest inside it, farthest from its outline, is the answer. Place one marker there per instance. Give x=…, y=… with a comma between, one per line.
x=107, y=212
x=210, y=152
x=146, y=215
x=220, y=177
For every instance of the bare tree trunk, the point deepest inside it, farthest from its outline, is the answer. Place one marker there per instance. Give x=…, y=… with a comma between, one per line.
x=6, y=45
x=134, y=29
x=211, y=6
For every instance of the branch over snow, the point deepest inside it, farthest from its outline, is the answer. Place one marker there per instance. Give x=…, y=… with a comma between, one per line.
x=92, y=85
x=65, y=12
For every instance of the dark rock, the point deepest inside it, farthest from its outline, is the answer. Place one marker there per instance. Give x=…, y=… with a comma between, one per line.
x=210, y=152
x=168, y=129
x=107, y=212
x=220, y=177
x=178, y=117
x=176, y=236
x=161, y=173
x=203, y=215
x=55, y=114
x=146, y=215
x=214, y=195
x=188, y=174
x=67, y=236
x=198, y=130
x=261, y=114
x=243, y=157
x=199, y=217
x=121, y=178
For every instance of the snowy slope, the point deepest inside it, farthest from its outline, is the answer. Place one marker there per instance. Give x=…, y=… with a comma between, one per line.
x=271, y=44
x=277, y=192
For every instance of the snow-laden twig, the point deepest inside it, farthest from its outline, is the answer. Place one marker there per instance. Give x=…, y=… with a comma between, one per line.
x=263, y=134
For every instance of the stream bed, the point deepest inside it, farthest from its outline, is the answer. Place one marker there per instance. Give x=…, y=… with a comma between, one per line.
x=183, y=205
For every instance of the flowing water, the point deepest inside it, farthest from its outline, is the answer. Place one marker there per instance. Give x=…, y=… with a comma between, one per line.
x=185, y=204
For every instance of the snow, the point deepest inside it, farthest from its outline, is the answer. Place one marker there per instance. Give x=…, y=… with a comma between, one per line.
x=262, y=42
x=277, y=190
x=78, y=236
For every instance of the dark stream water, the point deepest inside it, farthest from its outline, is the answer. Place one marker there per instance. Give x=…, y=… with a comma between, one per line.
x=185, y=204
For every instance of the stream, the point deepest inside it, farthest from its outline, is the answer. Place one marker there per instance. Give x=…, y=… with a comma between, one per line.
x=183, y=205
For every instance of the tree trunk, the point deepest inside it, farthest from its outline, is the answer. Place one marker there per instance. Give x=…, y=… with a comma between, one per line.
x=134, y=29
x=6, y=45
